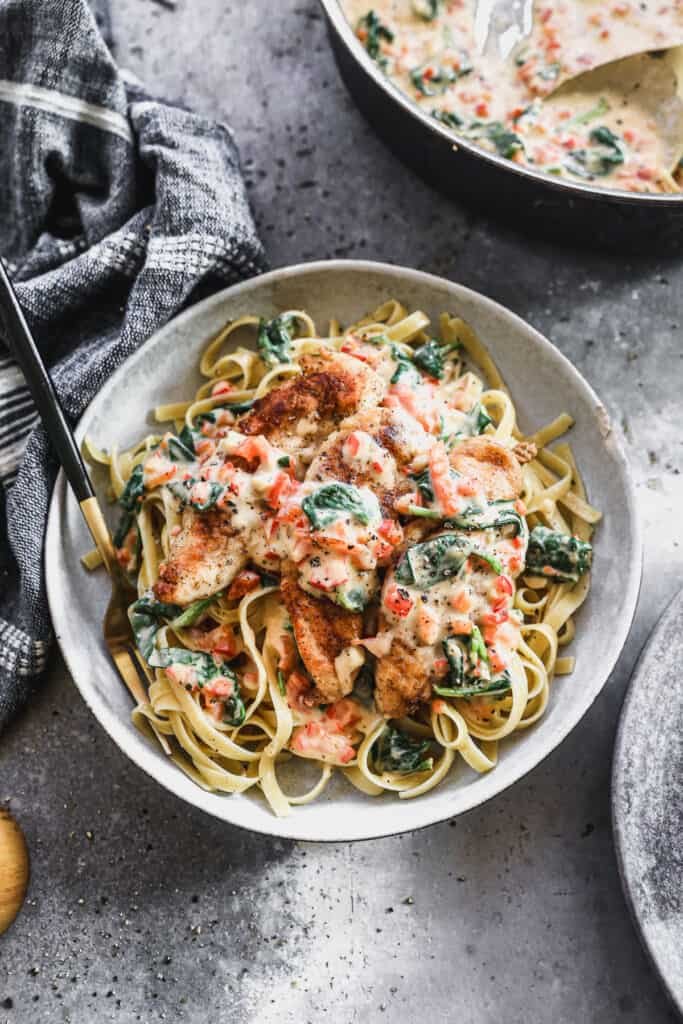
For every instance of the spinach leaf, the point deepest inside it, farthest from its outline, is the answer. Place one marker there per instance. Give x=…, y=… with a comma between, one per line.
x=329, y=501
x=431, y=356
x=606, y=154
x=206, y=668
x=477, y=420
x=205, y=665
x=455, y=657
x=558, y=555
x=130, y=498
x=439, y=558
x=123, y=529
x=433, y=561
x=158, y=609
x=404, y=367
x=496, y=516
x=393, y=751
x=194, y=611
x=505, y=142
x=235, y=711
x=189, y=436
x=133, y=491
x=180, y=452
x=352, y=600
x=275, y=339
x=376, y=31
x=364, y=686
x=240, y=407
x=215, y=492
x=448, y=117
x=145, y=628
x=428, y=10
x=424, y=484
x=601, y=107
x=432, y=79
x=181, y=490
x=281, y=685
x=145, y=615
x=470, y=674
x=476, y=687
x=268, y=579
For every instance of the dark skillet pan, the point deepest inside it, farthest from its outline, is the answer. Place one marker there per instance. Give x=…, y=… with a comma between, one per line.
x=535, y=201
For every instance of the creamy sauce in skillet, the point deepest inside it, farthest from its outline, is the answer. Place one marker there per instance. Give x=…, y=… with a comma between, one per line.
x=608, y=133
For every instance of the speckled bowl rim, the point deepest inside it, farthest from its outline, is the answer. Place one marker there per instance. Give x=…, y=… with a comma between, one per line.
x=409, y=815
x=629, y=878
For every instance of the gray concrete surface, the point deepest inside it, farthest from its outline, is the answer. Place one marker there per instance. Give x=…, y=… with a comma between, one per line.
x=141, y=909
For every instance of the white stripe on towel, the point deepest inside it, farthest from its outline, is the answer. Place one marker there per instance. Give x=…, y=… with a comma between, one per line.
x=66, y=106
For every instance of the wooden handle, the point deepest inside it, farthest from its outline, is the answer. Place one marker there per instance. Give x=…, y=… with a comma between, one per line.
x=14, y=869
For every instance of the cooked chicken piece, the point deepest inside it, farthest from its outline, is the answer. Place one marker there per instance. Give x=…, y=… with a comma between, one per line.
x=385, y=441
x=204, y=557
x=401, y=680
x=490, y=464
x=525, y=452
x=322, y=631
x=304, y=411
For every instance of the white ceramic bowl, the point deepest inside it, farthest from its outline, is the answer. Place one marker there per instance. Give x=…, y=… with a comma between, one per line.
x=543, y=383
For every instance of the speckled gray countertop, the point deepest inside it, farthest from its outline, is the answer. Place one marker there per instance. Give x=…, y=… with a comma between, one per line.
x=141, y=909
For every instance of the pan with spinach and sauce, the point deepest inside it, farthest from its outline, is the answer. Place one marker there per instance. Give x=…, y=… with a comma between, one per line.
x=581, y=98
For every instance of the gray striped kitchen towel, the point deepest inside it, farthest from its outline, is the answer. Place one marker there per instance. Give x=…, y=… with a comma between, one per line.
x=115, y=211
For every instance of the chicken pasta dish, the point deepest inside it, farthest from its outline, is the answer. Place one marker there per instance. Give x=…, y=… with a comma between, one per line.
x=347, y=553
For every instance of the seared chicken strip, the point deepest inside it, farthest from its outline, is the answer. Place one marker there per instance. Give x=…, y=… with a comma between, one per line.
x=304, y=411
x=490, y=465
x=322, y=631
x=205, y=556
x=402, y=680
x=405, y=674
x=370, y=449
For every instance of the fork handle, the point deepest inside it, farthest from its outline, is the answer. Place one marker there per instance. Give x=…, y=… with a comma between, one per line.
x=99, y=531
x=25, y=351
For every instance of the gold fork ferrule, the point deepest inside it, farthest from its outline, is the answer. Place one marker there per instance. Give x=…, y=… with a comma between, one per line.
x=92, y=513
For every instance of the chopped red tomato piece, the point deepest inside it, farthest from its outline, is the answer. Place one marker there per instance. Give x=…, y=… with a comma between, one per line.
x=286, y=649
x=316, y=739
x=344, y=713
x=445, y=486
x=299, y=690
x=221, y=387
x=244, y=583
x=494, y=618
x=220, y=640
x=398, y=601
x=281, y=488
x=220, y=687
x=352, y=446
x=391, y=531
x=503, y=585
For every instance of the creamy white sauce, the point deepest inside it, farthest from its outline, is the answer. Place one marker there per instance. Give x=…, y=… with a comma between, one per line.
x=443, y=66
